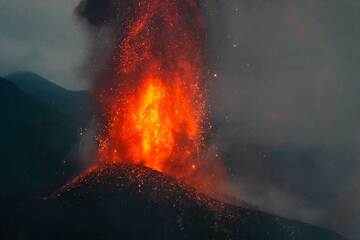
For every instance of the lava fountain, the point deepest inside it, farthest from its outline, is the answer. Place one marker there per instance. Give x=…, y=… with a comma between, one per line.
x=155, y=107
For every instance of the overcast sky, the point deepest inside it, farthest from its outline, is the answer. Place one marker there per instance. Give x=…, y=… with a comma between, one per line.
x=286, y=99
x=43, y=37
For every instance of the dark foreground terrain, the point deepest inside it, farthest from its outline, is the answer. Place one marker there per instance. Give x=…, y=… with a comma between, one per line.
x=134, y=202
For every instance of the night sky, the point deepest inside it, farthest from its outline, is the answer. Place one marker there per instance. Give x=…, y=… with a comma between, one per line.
x=285, y=98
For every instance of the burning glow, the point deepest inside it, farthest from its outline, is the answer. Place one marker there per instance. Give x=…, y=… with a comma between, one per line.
x=156, y=108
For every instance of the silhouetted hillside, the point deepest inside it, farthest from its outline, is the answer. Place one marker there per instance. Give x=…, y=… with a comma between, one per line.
x=72, y=103
x=36, y=143
x=135, y=202
x=34, y=84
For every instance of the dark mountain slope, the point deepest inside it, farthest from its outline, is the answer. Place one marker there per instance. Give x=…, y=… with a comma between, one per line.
x=134, y=202
x=35, y=141
x=33, y=84
x=72, y=103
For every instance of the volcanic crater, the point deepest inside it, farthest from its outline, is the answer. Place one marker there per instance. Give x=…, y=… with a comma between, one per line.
x=126, y=201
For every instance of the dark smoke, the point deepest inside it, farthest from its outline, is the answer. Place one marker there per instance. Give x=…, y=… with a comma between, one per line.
x=104, y=13
x=97, y=13
x=102, y=20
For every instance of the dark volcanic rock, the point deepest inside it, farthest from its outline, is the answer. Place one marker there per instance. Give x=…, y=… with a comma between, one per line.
x=134, y=202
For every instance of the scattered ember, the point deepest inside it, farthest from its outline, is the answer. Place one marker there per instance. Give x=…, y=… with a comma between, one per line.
x=155, y=108
x=156, y=187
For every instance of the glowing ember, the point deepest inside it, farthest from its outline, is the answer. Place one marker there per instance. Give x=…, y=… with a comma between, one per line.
x=156, y=105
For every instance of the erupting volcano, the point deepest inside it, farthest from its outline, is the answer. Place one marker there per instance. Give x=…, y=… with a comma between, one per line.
x=155, y=109
x=156, y=174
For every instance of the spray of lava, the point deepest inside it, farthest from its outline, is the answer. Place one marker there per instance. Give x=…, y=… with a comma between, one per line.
x=156, y=108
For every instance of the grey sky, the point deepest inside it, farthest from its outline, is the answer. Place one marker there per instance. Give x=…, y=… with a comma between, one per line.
x=43, y=37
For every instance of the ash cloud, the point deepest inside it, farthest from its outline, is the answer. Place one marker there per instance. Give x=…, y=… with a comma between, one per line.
x=104, y=21
x=96, y=13
x=286, y=105
x=107, y=13
x=99, y=19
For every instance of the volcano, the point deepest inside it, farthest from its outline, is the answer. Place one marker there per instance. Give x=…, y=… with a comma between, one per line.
x=125, y=201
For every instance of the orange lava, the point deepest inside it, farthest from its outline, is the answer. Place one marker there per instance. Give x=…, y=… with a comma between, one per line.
x=156, y=107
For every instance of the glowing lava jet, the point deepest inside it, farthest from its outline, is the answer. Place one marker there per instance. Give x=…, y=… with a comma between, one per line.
x=156, y=108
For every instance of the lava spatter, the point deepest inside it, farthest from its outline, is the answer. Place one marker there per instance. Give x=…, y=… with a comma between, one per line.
x=156, y=109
